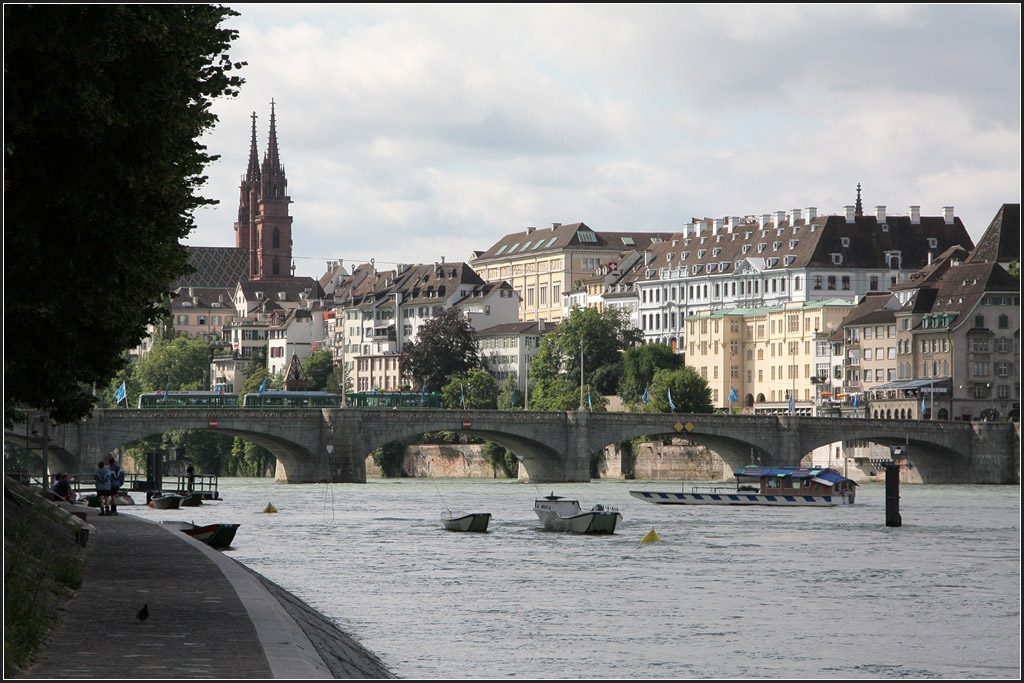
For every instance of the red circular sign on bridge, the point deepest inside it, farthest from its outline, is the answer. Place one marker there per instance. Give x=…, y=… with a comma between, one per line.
x=213, y=423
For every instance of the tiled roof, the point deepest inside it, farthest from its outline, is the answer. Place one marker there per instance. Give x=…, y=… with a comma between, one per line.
x=575, y=235
x=1001, y=241
x=215, y=267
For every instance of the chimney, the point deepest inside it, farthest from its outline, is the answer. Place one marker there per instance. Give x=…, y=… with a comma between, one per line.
x=779, y=217
x=851, y=213
x=812, y=213
x=794, y=216
x=719, y=224
x=915, y=215
x=529, y=230
x=731, y=224
x=947, y=214
x=880, y=214
x=555, y=225
x=687, y=230
x=765, y=219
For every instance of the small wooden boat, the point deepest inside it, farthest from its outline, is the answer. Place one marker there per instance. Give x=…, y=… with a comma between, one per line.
x=564, y=514
x=167, y=501
x=191, y=500
x=461, y=521
x=218, y=536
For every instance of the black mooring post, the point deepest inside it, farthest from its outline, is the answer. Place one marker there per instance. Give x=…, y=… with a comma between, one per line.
x=892, y=495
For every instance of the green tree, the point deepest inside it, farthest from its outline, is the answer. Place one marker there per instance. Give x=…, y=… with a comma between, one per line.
x=318, y=368
x=510, y=398
x=445, y=345
x=247, y=459
x=604, y=335
x=474, y=389
x=639, y=365
x=181, y=364
x=690, y=392
x=103, y=108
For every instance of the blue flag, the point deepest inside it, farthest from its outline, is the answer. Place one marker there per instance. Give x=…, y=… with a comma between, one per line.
x=514, y=388
x=791, y=404
x=647, y=396
x=922, y=406
x=167, y=390
x=733, y=396
x=589, y=404
x=462, y=403
x=670, y=403
x=121, y=394
x=263, y=385
x=423, y=395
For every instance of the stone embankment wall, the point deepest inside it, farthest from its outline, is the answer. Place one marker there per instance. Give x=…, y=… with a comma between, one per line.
x=445, y=460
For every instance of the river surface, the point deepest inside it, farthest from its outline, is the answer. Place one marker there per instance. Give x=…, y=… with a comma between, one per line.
x=728, y=592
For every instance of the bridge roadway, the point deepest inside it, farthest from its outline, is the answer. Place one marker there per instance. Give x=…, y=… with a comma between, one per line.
x=314, y=445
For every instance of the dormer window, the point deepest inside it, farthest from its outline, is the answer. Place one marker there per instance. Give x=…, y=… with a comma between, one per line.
x=761, y=247
x=700, y=253
x=746, y=248
x=793, y=243
x=845, y=241
x=717, y=251
x=933, y=243
x=776, y=246
x=837, y=259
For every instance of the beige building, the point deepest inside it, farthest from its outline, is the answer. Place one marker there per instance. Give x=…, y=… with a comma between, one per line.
x=765, y=354
x=542, y=265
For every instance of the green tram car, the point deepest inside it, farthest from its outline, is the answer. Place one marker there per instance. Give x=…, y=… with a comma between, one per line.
x=188, y=399
x=394, y=399
x=292, y=399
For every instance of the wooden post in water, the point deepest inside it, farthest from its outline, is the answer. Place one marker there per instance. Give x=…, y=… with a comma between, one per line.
x=892, y=487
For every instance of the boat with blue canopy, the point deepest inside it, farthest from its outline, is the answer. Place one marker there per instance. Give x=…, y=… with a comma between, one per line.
x=815, y=486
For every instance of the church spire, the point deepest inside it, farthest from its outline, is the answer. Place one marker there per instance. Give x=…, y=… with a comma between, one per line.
x=272, y=169
x=252, y=174
x=859, y=210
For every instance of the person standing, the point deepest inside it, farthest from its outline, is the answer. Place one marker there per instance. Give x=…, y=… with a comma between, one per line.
x=103, y=482
x=116, y=482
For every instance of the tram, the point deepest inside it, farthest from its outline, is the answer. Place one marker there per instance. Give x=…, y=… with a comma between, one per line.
x=188, y=399
x=292, y=399
x=394, y=399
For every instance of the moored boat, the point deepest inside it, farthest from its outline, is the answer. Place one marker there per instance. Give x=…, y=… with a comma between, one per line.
x=461, y=521
x=565, y=514
x=218, y=536
x=191, y=500
x=167, y=501
x=787, y=486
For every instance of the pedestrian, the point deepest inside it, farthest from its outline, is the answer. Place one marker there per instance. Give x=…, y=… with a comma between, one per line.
x=116, y=482
x=62, y=488
x=103, y=481
x=190, y=478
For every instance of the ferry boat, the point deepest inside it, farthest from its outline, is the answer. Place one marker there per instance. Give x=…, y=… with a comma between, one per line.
x=564, y=514
x=766, y=486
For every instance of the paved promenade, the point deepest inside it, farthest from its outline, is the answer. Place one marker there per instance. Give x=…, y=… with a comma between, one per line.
x=209, y=616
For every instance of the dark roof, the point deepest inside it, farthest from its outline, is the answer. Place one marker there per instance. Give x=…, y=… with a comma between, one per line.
x=960, y=290
x=873, y=309
x=215, y=267
x=862, y=243
x=1001, y=241
x=558, y=237
x=285, y=289
x=528, y=327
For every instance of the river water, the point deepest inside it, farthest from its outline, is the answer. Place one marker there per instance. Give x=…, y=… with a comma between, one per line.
x=728, y=592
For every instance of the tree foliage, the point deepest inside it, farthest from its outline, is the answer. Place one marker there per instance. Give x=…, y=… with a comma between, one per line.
x=690, y=392
x=445, y=345
x=639, y=365
x=318, y=368
x=604, y=334
x=509, y=397
x=103, y=107
x=474, y=389
x=181, y=364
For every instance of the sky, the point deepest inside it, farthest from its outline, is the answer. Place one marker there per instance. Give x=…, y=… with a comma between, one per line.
x=415, y=132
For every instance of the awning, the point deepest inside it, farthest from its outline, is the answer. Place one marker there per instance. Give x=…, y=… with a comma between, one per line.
x=912, y=383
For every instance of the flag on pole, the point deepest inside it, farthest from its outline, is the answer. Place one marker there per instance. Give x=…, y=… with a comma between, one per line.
x=589, y=404
x=423, y=395
x=263, y=385
x=121, y=394
x=167, y=390
x=647, y=396
x=791, y=404
x=856, y=402
x=733, y=396
x=922, y=406
x=670, y=403
x=462, y=403
x=514, y=388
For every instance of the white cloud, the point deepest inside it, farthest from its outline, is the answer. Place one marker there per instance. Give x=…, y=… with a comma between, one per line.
x=415, y=131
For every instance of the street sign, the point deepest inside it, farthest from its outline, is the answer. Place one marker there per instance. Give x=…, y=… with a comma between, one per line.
x=213, y=423
x=466, y=424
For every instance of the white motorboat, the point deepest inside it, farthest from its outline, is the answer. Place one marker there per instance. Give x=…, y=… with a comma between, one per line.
x=564, y=514
x=461, y=521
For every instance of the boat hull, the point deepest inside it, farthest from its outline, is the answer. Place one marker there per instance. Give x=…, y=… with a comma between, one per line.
x=191, y=500
x=664, y=498
x=168, y=502
x=218, y=536
x=594, y=522
x=476, y=521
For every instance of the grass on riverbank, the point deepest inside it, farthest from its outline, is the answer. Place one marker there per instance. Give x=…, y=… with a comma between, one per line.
x=43, y=566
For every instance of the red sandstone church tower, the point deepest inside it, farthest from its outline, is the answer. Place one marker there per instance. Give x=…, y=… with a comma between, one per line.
x=264, y=228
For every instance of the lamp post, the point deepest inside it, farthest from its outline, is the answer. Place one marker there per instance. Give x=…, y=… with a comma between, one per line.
x=581, y=374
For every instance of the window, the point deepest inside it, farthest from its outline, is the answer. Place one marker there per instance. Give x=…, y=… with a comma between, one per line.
x=817, y=282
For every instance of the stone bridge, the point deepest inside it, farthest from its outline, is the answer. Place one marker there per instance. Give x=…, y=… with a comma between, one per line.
x=313, y=445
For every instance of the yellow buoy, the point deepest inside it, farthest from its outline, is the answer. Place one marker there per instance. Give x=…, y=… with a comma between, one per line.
x=270, y=508
x=651, y=537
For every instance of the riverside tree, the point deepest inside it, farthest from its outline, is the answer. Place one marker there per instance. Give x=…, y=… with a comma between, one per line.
x=104, y=105
x=445, y=345
x=689, y=390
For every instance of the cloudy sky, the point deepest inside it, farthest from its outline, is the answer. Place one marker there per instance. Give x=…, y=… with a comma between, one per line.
x=412, y=132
